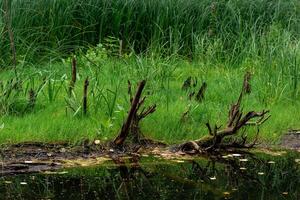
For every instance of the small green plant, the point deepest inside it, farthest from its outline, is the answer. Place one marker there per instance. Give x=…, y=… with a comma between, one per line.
x=17, y=100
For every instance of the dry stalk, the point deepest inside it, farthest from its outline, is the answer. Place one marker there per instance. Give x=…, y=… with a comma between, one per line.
x=85, y=96
x=74, y=76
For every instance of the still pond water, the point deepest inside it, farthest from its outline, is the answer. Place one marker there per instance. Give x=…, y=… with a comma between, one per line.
x=231, y=176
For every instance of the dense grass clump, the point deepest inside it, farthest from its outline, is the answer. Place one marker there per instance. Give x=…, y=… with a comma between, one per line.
x=220, y=30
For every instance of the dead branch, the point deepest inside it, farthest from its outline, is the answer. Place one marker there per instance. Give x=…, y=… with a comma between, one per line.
x=236, y=121
x=135, y=103
x=138, y=112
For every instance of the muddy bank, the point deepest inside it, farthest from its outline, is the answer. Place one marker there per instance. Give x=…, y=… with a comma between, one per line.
x=27, y=157
x=35, y=157
x=271, y=175
x=291, y=140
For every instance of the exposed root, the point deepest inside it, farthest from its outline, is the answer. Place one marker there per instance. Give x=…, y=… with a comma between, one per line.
x=218, y=139
x=137, y=113
x=237, y=121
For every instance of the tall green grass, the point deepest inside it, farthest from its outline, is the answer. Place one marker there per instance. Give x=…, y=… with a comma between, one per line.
x=220, y=30
x=58, y=116
x=162, y=41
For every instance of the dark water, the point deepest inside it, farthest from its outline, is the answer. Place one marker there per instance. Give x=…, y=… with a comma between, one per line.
x=233, y=177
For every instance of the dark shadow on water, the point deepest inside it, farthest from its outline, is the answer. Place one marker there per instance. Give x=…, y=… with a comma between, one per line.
x=232, y=176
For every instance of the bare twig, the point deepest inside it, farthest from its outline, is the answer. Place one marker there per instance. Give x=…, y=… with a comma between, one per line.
x=145, y=113
x=209, y=129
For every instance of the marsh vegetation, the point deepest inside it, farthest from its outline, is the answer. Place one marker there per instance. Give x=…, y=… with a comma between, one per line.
x=101, y=78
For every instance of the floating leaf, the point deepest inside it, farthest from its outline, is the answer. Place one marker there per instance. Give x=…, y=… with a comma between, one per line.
x=178, y=161
x=62, y=150
x=50, y=172
x=226, y=194
x=97, y=142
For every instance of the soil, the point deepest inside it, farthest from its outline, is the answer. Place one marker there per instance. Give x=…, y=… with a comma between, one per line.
x=30, y=157
x=291, y=140
x=36, y=157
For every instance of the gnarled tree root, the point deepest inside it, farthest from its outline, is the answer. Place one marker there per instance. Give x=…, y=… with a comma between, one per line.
x=237, y=120
x=131, y=128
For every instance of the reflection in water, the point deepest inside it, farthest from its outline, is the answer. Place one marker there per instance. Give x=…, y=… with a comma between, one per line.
x=221, y=177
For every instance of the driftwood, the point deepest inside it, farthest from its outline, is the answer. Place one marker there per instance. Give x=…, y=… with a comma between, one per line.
x=216, y=140
x=134, y=106
x=237, y=120
x=140, y=114
x=136, y=114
